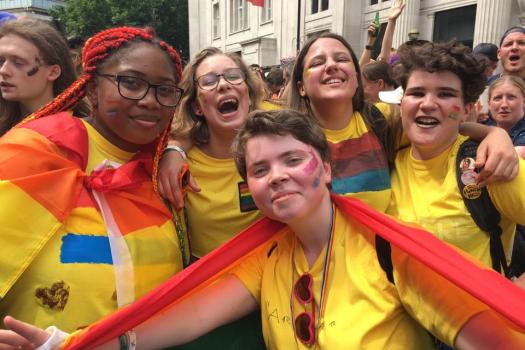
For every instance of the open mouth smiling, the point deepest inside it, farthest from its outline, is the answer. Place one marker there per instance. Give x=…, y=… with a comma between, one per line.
x=427, y=122
x=229, y=105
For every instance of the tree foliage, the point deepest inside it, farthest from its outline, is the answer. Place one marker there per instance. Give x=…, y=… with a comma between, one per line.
x=169, y=18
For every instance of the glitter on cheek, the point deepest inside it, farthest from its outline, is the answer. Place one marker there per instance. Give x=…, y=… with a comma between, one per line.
x=312, y=164
x=307, y=72
x=455, y=115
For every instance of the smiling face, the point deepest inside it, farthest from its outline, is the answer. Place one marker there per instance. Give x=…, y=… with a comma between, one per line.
x=24, y=77
x=506, y=104
x=287, y=178
x=431, y=110
x=225, y=107
x=512, y=54
x=329, y=73
x=129, y=124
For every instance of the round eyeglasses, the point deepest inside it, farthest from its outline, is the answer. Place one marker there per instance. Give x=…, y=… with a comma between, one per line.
x=209, y=81
x=134, y=88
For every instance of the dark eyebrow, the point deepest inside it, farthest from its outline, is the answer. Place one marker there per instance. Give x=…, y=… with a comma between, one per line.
x=444, y=88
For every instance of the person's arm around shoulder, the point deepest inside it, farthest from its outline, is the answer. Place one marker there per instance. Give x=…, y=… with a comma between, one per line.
x=170, y=167
x=508, y=196
x=495, y=154
x=521, y=151
x=487, y=330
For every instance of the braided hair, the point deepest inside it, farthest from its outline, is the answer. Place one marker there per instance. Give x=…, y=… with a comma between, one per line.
x=98, y=50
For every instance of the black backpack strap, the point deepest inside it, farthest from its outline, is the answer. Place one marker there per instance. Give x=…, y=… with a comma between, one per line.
x=479, y=204
x=379, y=126
x=517, y=262
x=384, y=256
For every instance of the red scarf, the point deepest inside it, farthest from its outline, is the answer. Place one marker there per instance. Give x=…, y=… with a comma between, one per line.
x=483, y=283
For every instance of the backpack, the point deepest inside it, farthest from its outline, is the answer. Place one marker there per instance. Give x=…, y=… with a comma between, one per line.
x=484, y=214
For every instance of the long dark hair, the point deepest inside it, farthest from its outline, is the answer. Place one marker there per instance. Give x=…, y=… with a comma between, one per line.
x=390, y=133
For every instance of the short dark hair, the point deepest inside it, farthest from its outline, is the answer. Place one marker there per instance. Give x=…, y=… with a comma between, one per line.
x=275, y=76
x=282, y=122
x=379, y=70
x=488, y=50
x=510, y=31
x=439, y=57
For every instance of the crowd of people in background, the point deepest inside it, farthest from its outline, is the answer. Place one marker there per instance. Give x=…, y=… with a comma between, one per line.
x=121, y=170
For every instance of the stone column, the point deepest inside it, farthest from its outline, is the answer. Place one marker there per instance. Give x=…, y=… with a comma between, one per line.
x=521, y=4
x=492, y=18
x=408, y=21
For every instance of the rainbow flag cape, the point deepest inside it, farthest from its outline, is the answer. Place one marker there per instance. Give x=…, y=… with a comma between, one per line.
x=42, y=180
x=483, y=283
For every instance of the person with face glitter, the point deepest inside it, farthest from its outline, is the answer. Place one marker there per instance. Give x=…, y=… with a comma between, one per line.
x=327, y=84
x=317, y=279
x=35, y=66
x=84, y=230
x=441, y=82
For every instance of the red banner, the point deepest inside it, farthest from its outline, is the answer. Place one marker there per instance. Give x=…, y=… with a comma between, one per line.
x=481, y=282
x=259, y=3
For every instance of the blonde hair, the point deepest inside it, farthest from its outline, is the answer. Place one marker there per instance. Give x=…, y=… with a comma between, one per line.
x=186, y=122
x=511, y=79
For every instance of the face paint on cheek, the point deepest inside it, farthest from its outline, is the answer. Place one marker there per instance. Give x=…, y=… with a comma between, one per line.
x=33, y=71
x=317, y=180
x=312, y=164
x=307, y=72
x=112, y=113
x=455, y=114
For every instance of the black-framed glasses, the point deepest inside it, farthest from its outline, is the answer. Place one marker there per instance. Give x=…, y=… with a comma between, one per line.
x=209, y=81
x=134, y=88
x=304, y=323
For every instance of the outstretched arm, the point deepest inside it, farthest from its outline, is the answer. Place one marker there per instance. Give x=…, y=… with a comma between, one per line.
x=214, y=306
x=487, y=330
x=395, y=11
x=220, y=303
x=371, y=39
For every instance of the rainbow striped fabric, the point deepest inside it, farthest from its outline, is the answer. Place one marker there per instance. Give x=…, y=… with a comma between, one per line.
x=483, y=283
x=76, y=246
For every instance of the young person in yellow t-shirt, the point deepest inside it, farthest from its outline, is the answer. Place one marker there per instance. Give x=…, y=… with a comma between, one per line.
x=318, y=282
x=84, y=232
x=219, y=92
x=441, y=82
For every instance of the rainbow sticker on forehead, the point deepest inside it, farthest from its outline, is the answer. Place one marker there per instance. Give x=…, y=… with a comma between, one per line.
x=455, y=114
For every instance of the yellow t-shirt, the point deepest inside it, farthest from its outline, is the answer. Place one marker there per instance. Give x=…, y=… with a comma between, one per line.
x=425, y=192
x=71, y=283
x=271, y=105
x=359, y=164
x=222, y=208
x=363, y=309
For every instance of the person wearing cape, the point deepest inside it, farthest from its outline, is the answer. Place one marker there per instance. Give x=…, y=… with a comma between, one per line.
x=311, y=267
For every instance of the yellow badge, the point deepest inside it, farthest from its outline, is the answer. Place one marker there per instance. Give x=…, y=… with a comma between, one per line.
x=471, y=191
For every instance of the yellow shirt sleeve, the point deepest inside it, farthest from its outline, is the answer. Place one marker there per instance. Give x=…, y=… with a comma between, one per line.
x=250, y=271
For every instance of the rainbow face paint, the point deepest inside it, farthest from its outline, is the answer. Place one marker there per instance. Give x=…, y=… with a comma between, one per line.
x=312, y=164
x=455, y=114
